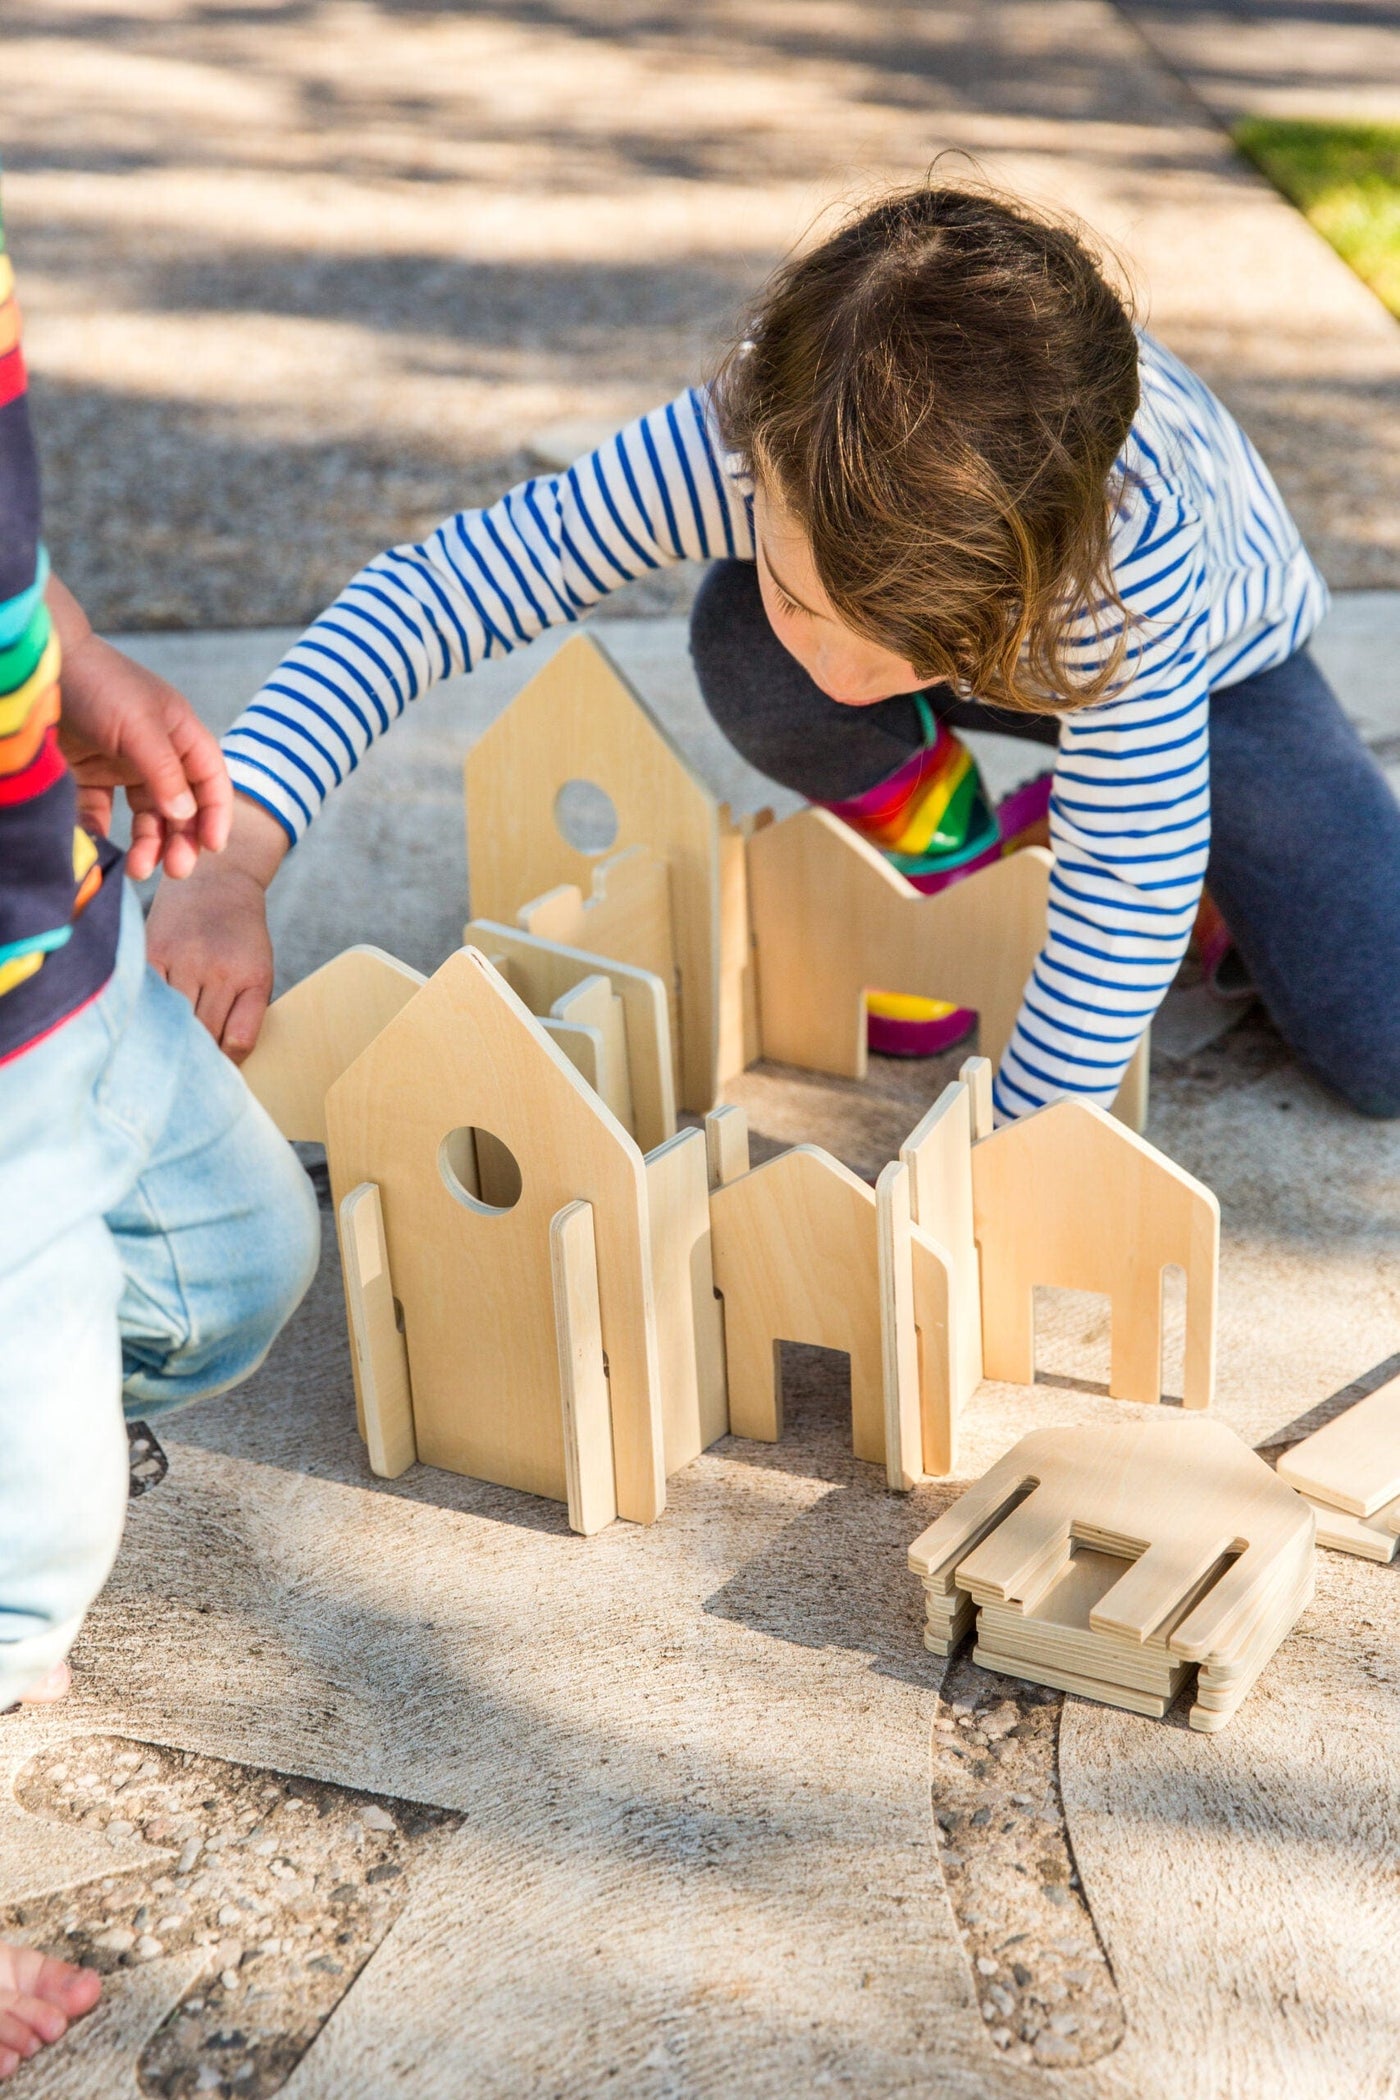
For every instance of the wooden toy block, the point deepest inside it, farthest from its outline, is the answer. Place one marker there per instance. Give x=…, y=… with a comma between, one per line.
x=578, y=719
x=938, y=1154
x=1071, y=1198
x=587, y=1023
x=916, y=1285
x=627, y=916
x=1353, y=1462
x=315, y=1031
x=379, y=1359
x=542, y=972
x=1369, y=1538
x=583, y=1373
x=1109, y=1559
x=832, y=919
x=795, y=1259
x=976, y=1075
x=689, y=1317
x=727, y=1144
x=474, y=1275
x=739, y=1039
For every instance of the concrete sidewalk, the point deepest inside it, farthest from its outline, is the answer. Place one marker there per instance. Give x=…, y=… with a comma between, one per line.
x=299, y=281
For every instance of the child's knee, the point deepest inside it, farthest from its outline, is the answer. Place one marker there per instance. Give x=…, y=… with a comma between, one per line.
x=1364, y=1073
x=243, y=1277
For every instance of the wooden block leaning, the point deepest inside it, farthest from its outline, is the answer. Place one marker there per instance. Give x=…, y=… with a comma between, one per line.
x=315, y=1031
x=542, y=972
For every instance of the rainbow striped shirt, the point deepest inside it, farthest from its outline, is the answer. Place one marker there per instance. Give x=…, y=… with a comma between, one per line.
x=58, y=914
x=1206, y=559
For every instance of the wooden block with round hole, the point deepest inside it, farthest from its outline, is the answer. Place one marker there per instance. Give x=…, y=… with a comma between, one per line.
x=474, y=1276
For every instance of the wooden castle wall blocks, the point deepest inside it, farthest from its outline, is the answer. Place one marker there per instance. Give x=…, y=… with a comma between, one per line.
x=317, y=1029
x=1071, y=1198
x=1110, y=1559
x=542, y=972
x=579, y=719
x=476, y=1278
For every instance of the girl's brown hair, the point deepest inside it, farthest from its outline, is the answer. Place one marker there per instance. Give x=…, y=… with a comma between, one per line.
x=938, y=394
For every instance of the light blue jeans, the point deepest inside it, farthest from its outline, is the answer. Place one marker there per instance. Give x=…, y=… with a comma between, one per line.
x=155, y=1233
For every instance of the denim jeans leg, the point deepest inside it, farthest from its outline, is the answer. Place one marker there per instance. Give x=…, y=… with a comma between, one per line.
x=1305, y=866
x=64, y=1461
x=218, y=1237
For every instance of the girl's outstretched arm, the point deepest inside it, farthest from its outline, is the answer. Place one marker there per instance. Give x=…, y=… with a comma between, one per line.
x=485, y=582
x=1129, y=828
x=482, y=585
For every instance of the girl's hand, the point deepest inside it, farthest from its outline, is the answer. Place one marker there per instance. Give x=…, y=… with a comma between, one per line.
x=208, y=936
x=122, y=726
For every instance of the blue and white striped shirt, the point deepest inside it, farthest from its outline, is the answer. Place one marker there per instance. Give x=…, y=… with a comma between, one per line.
x=1206, y=559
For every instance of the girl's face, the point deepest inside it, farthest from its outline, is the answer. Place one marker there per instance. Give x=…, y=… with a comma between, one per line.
x=846, y=666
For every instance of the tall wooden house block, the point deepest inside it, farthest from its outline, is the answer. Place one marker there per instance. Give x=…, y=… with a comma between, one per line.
x=579, y=720
x=477, y=1131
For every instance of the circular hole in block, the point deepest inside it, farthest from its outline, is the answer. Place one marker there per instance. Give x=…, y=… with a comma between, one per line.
x=586, y=817
x=480, y=1170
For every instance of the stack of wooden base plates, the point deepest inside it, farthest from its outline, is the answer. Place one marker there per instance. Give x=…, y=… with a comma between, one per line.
x=1121, y=1561
x=1349, y=1471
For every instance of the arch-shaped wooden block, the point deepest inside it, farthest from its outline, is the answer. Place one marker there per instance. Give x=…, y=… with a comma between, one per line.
x=796, y=1260
x=832, y=920
x=1070, y=1197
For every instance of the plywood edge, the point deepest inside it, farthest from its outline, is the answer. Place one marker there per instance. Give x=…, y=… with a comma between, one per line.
x=379, y=1354
x=585, y=1403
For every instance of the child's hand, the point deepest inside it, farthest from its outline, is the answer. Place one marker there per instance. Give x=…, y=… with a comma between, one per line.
x=122, y=726
x=208, y=936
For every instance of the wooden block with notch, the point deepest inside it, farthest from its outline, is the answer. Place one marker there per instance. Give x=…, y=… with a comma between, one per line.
x=689, y=1317
x=1112, y=1559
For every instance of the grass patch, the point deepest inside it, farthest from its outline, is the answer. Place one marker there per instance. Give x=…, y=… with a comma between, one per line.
x=1345, y=179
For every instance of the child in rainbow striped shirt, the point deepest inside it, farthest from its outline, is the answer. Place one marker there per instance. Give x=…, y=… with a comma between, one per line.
x=155, y=1231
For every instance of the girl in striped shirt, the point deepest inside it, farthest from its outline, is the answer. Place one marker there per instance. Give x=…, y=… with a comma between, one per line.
x=943, y=483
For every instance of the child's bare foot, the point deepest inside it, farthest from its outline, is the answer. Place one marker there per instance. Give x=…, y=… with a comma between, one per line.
x=39, y=1996
x=50, y=1688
